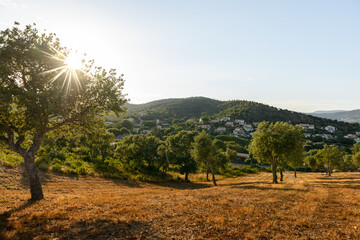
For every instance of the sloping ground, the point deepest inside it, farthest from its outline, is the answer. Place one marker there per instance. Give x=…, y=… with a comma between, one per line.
x=311, y=206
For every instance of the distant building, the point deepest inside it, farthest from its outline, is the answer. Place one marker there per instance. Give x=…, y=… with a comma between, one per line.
x=307, y=126
x=307, y=135
x=238, y=131
x=351, y=136
x=248, y=127
x=330, y=129
x=229, y=124
x=131, y=119
x=243, y=156
x=239, y=121
x=205, y=127
x=158, y=127
x=220, y=129
x=357, y=133
x=225, y=119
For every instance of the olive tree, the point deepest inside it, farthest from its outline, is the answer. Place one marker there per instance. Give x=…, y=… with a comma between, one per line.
x=277, y=143
x=41, y=90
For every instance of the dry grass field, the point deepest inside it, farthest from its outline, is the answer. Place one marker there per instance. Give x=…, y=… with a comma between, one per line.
x=312, y=206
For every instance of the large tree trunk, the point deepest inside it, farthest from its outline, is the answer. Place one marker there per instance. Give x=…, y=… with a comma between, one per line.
x=295, y=173
x=213, y=176
x=207, y=174
x=273, y=169
x=34, y=180
x=330, y=170
x=281, y=175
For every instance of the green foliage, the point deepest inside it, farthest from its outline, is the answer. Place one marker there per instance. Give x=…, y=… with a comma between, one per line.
x=330, y=157
x=356, y=159
x=139, y=152
x=178, y=151
x=228, y=138
x=278, y=144
x=9, y=158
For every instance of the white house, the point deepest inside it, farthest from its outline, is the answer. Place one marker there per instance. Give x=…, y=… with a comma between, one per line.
x=225, y=119
x=229, y=124
x=240, y=121
x=307, y=126
x=248, y=127
x=351, y=136
x=307, y=135
x=220, y=129
x=205, y=126
x=330, y=129
x=238, y=131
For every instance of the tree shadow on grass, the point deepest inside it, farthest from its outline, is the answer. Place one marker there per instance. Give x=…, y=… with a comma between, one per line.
x=4, y=217
x=271, y=187
x=183, y=185
x=85, y=229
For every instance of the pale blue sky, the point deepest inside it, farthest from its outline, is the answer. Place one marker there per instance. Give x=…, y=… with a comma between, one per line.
x=299, y=55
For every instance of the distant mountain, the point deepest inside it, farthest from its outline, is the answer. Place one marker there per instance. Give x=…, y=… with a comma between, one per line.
x=328, y=111
x=195, y=107
x=345, y=116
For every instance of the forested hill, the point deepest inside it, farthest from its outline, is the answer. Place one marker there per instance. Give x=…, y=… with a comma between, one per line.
x=177, y=108
x=195, y=107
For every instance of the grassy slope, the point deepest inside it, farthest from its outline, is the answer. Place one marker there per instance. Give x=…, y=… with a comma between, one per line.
x=310, y=207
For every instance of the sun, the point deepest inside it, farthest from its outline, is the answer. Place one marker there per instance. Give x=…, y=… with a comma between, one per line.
x=73, y=61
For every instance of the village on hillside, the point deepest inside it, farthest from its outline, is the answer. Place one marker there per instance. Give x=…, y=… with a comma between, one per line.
x=233, y=127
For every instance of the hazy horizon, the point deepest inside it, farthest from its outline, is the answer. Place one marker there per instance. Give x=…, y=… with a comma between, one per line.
x=301, y=56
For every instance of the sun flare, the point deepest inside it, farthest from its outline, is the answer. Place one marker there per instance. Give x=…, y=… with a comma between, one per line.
x=72, y=65
x=73, y=61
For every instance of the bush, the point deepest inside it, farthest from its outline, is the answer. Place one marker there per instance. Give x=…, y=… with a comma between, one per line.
x=57, y=167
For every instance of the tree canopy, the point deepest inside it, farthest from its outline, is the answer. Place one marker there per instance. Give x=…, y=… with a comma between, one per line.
x=278, y=143
x=40, y=92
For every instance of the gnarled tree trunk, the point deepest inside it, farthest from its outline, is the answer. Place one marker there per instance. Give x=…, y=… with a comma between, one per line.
x=33, y=174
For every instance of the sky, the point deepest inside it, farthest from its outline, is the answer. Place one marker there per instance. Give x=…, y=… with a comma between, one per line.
x=298, y=55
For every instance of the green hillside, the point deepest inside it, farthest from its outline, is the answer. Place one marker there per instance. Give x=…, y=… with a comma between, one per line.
x=195, y=107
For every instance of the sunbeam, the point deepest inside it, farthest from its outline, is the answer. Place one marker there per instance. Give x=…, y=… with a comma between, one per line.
x=72, y=64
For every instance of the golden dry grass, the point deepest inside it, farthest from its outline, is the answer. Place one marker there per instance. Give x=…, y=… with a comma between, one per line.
x=311, y=206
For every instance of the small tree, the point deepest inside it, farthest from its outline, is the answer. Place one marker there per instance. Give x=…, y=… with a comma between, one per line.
x=41, y=90
x=330, y=157
x=203, y=152
x=178, y=151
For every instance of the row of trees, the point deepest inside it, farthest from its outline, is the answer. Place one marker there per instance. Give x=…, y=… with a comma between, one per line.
x=282, y=145
x=331, y=157
x=189, y=151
